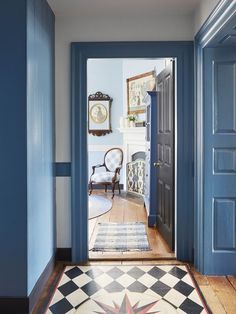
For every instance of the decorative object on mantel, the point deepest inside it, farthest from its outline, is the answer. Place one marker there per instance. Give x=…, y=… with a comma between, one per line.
x=137, y=87
x=132, y=118
x=99, y=114
x=140, y=124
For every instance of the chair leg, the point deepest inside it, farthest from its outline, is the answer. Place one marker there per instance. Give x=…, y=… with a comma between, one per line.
x=119, y=187
x=91, y=188
x=113, y=189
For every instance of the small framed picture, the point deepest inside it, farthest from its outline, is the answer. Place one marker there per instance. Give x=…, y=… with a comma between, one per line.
x=137, y=87
x=99, y=114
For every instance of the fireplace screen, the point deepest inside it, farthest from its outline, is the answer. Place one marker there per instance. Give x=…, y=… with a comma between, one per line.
x=136, y=174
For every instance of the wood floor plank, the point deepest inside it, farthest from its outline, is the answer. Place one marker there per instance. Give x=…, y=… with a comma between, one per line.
x=162, y=262
x=141, y=214
x=225, y=293
x=232, y=280
x=201, y=279
x=92, y=224
x=212, y=300
x=92, y=263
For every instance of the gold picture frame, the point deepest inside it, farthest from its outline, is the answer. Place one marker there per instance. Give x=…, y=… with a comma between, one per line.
x=137, y=87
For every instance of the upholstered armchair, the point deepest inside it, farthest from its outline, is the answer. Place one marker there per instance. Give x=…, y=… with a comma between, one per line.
x=113, y=160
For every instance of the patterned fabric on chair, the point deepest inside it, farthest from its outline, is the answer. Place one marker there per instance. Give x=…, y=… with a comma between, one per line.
x=113, y=160
x=104, y=177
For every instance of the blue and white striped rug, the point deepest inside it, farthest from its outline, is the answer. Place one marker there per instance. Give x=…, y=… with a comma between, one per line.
x=121, y=237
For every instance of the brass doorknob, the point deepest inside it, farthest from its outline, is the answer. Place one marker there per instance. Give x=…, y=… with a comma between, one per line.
x=157, y=164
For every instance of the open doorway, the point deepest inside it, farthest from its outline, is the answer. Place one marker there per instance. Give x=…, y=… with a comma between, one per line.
x=184, y=213
x=131, y=158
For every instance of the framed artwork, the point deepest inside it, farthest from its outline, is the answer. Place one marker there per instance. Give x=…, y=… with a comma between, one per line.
x=99, y=114
x=137, y=87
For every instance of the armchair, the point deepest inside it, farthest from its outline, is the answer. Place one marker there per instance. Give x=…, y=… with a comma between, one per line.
x=113, y=160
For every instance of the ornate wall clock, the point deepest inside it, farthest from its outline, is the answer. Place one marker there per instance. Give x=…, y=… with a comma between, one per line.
x=99, y=114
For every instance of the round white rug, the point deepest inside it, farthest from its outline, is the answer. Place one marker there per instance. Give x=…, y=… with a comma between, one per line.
x=98, y=205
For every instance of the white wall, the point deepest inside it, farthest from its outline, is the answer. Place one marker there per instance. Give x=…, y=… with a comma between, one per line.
x=204, y=9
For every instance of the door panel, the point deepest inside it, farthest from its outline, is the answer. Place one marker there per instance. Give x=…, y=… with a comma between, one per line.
x=220, y=160
x=165, y=144
x=160, y=115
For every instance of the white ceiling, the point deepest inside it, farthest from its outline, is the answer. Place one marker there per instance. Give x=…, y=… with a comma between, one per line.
x=132, y=8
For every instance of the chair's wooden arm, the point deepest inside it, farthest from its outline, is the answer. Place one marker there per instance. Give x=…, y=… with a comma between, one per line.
x=117, y=171
x=97, y=166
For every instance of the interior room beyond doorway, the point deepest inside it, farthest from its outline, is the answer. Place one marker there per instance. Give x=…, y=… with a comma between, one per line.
x=124, y=81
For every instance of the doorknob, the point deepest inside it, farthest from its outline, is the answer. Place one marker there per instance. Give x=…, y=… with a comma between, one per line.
x=157, y=164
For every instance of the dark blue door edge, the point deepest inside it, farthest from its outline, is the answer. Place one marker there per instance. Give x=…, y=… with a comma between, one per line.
x=80, y=52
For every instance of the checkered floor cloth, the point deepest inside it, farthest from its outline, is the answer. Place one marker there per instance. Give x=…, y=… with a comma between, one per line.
x=121, y=237
x=127, y=289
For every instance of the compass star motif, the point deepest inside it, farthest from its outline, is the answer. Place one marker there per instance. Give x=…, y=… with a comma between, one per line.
x=126, y=307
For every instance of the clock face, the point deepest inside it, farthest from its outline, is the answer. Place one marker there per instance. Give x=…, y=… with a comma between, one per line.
x=98, y=113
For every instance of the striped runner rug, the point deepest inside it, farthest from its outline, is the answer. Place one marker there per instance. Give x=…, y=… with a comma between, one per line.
x=121, y=237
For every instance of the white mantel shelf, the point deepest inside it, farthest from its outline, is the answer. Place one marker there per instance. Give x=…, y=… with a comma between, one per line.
x=132, y=130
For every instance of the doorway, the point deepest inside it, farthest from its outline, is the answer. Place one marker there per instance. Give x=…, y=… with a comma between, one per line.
x=81, y=52
x=125, y=226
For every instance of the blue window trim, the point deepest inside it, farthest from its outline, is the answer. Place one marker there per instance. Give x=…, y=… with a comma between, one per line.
x=214, y=25
x=80, y=52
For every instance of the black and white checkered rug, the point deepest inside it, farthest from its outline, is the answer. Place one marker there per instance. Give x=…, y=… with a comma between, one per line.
x=121, y=237
x=127, y=290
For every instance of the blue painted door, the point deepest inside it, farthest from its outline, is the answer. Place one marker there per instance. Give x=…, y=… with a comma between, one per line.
x=165, y=155
x=220, y=160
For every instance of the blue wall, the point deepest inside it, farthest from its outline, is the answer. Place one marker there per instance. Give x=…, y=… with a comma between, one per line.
x=13, y=165
x=27, y=145
x=40, y=137
x=106, y=75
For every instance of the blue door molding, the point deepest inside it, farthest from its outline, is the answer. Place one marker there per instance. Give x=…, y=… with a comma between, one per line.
x=80, y=53
x=210, y=35
x=62, y=169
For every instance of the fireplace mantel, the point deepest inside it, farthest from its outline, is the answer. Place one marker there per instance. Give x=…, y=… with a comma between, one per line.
x=133, y=141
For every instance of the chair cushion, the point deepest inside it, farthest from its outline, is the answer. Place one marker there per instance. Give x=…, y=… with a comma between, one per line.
x=113, y=159
x=104, y=177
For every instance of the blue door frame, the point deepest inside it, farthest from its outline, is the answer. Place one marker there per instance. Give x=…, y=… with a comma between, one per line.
x=216, y=28
x=183, y=52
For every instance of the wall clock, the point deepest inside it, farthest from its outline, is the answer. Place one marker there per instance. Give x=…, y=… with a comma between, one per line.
x=99, y=114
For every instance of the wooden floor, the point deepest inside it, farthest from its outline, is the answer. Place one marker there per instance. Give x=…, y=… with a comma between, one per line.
x=127, y=209
x=219, y=292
